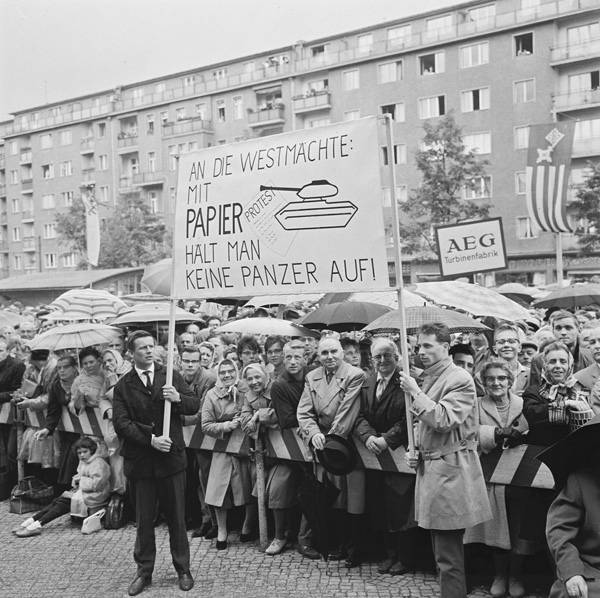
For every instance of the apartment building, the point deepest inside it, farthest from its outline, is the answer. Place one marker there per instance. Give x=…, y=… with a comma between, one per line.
x=498, y=66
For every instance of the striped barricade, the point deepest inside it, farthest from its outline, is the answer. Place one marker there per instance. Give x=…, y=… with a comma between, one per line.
x=6, y=413
x=88, y=423
x=237, y=443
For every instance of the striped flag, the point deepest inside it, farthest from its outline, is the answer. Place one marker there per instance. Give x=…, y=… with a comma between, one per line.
x=547, y=176
x=92, y=225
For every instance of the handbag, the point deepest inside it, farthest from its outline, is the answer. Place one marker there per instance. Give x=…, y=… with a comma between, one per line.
x=115, y=512
x=93, y=523
x=34, y=490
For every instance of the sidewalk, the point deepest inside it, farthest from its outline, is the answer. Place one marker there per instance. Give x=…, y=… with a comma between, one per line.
x=63, y=563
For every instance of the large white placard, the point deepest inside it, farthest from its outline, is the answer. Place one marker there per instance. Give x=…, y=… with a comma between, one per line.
x=298, y=212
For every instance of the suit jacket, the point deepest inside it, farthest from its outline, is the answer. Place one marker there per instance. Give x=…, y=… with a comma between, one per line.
x=330, y=408
x=386, y=417
x=138, y=413
x=11, y=375
x=285, y=396
x=589, y=376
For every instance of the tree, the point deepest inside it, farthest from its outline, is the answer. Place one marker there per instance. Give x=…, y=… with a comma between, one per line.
x=587, y=206
x=447, y=168
x=132, y=235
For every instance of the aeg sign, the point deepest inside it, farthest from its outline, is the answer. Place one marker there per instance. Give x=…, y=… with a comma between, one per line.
x=471, y=247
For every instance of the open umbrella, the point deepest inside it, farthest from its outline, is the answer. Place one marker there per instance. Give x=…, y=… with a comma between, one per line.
x=471, y=298
x=274, y=300
x=86, y=304
x=10, y=318
x=417, y=316
x=387, y=298
x=157, y=277
x=153, y=312
x=74, y=336
x=344, y=317
x=572, y=451
x=517, y=292
x=267, y=326
x=571, y=297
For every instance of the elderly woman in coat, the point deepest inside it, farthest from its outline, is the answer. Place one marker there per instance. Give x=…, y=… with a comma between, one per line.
x=501, y=424
x=229, y=482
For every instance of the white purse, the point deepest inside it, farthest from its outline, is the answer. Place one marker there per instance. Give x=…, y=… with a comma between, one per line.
x=93, y=523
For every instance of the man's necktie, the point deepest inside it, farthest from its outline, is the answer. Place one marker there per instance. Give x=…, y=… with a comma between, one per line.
x=148, y=379
x=380, y=388
x=329, y=377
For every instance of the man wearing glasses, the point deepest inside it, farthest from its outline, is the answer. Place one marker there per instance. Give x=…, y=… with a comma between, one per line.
x=507, y=346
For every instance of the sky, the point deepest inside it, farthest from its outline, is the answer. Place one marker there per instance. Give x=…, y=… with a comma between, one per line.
x=52, y=50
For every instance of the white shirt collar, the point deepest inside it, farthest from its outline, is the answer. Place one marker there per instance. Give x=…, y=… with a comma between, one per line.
x=140, y=372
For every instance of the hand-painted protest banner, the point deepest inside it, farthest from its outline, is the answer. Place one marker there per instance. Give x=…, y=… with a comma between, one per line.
x=470, y=247
x=290, y=213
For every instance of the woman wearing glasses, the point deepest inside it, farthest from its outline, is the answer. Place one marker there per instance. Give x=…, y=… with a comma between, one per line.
x=501, y=424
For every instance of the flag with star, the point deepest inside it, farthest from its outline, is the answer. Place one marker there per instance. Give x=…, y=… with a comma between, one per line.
x=547, y=174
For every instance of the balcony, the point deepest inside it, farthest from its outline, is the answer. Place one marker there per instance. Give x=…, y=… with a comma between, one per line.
x=266, y=117
x=26, y=185
x=88, y=175
x=29, y=244
x=192, y=125
x=125, y=182
x=28, y=216
x=127, y=140
x=320, y=100
x=148, y=179
x=575, y=52
x=87, y=145
x=588, y=146
x=26, y=155
x=577, y=100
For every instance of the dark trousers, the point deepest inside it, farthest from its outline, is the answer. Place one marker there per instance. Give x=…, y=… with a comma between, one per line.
x=450, y=562
x=57, y=508
x=8, y=437
x=170, y=492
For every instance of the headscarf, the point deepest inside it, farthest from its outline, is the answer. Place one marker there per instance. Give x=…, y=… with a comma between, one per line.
x=262, y=370
x=557, y=391
x=122, y=366
x=222, y=390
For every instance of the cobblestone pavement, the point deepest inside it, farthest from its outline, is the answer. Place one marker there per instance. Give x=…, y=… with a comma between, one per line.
x=64, y=563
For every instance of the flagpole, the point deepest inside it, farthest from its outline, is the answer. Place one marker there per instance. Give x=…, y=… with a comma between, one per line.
x=559, y=260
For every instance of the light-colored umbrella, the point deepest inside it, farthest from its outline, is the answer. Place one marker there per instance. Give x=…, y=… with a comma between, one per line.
x=389, y=298
x=274, y=300
x=135, y=298
x=267, y=326
x=86, y=304
x=343, y=317
x=417, y=316
x=10, y=318
x=471, y=298
x=153, y=312
x=74, y=336
x=157, y=277
x=571, y=297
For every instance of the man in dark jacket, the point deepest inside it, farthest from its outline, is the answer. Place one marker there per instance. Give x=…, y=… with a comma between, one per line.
x=11, y=375
x=154, y=463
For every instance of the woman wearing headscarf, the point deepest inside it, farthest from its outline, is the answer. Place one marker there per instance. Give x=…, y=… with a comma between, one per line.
x=229, y=482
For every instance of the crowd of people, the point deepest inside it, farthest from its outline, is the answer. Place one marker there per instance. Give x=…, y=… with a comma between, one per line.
x=527, y=382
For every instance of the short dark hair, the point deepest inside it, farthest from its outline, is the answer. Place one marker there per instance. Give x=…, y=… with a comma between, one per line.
x=274, y=339
x=462, y=349
x=248, y=342
x=87, y=443
x=563, y=314
x=134, y=337
x=189, y=349
x=70, y=358
x=87, y=352
x=347, y=343
x=437, y=329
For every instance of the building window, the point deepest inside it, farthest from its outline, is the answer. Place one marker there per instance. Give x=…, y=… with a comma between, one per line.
x=525, y=228
x=318, y=122
x=583, y=33
x=479, y=188
x=70, y=260
x=438, y=24
x=401, y=195
x=18, y=262
x=150, y=124
x=15, y=206
x=153, y=200
x=192, y=146
x=138, y=92
x=188, y=81
x=475, y=99
x=584, y=81
x=65, y=137
x=55, y=111
x=524, y=44
x=160, y=87
x=201, y=111
x=50, y=260
x=431, y=107
x=67, y=198
x=352, y=115
x=479, y=143
x=399, y=36
x=483, y=13
x=180, y=113
x=474, y=55
x=521, y=137
x=101, y=130
x=397, y=111
x=350, y=80
x=238, y=108
x=164, y=118
x=524, y=91
x=48, y=171
x=50, y=231
x=14, y=177
x=103, y=162
x=13, y=148
x=248, y=67
x=520, y=183
x=432, y=63
x=221, y=111
x=151, y=161
x=219, y=74
x=399, y=154
x=46, y=141
x=66, y=168
x=103, y=195
x=389, y=72
x=365, y=43
x=172, y=157
x=16, y=234
x=48, y=202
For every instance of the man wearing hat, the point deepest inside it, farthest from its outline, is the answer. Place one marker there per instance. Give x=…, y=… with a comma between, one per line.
x=329, y=405
x=528, y=351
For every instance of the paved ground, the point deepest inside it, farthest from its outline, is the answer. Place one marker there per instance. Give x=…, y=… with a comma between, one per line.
x=64, y=563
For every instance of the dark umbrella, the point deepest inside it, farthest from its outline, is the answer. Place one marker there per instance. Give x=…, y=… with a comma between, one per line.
x=573, y=451
x=571, y=297
x=316, y=501
x=343, y=317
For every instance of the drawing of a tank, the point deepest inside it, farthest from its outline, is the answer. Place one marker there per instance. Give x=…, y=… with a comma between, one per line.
x=315, y=210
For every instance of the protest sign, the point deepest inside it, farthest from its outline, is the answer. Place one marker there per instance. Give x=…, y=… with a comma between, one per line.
x=470, y=247
x=292, y=213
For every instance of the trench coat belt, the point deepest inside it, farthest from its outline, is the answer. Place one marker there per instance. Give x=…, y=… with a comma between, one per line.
x=461, y=445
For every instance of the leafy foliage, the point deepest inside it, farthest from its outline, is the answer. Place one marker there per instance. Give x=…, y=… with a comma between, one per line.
x=446, y=167
x=587, y=205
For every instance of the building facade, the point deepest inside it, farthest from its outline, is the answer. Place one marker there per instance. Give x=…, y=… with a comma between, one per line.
x=498, y=66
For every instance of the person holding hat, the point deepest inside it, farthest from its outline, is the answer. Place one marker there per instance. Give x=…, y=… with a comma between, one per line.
x=330, y=405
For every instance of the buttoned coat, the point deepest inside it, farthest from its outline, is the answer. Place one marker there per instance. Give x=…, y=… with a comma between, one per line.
x=450, y=491
x=138, y=413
